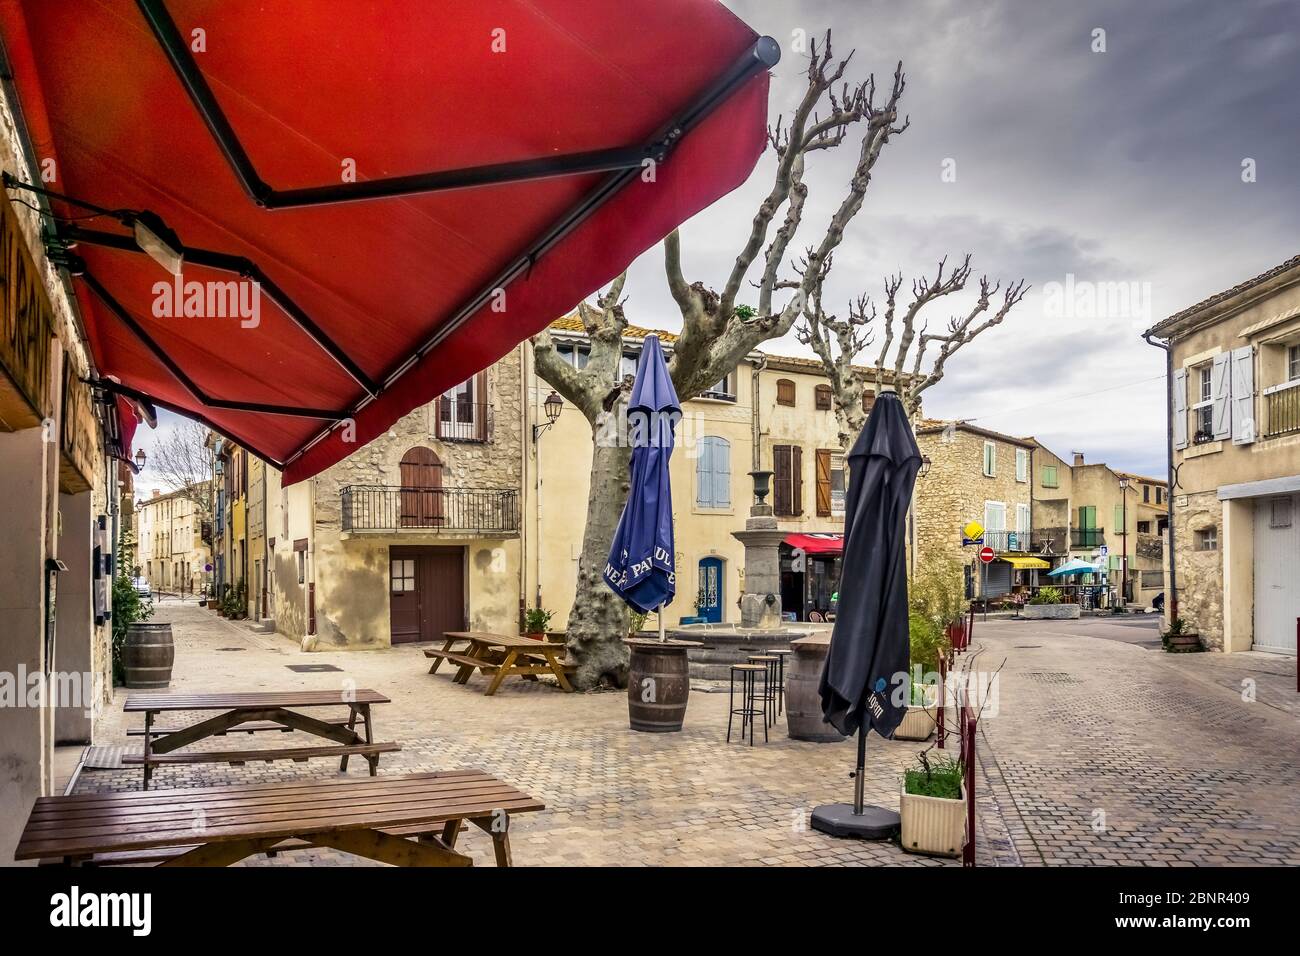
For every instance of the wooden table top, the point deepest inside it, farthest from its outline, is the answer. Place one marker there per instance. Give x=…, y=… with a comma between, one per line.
x=85, y=824
x=295, y=698
x=507, y=640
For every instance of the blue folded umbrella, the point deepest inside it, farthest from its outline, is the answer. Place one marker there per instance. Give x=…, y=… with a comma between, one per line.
x=640, y=566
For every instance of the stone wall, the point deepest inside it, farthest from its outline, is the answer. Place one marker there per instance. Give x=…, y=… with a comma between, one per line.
x=1200, y=573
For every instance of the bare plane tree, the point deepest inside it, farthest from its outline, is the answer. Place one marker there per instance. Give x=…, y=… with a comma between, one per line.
x=182, y=459
x=839, y=342
x=718, y=330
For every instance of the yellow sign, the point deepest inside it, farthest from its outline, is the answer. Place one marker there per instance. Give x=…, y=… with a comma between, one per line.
x=973, y=530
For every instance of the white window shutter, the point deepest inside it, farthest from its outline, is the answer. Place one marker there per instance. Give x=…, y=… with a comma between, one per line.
x=1180, y=408
x=1243, y=395
x=1221, y=392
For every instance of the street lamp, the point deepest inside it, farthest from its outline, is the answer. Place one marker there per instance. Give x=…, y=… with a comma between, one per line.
x=140, y=459
x=552, y=406
x=1123, y=490
x=925, y=466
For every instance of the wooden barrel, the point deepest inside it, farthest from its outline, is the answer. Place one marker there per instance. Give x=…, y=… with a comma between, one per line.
x=658, y=684
x=803, y=704
x=147, y=655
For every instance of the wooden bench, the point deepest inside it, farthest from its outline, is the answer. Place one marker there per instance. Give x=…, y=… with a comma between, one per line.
x=253, y=728
x=217, y=826
x=258, y=711
x=237, y=758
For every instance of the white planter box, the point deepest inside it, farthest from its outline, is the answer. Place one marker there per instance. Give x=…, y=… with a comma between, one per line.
x=932, y=825
x=918, y=723
x=1050, y=612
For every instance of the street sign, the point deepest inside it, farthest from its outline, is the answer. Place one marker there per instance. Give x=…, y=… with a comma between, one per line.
x=966, y=541
x=1104, y=551
x=973, y=530
x=986, y=555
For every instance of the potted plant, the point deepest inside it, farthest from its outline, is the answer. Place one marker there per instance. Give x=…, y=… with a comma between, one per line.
x=1047, y=604
x=927, y=645
x=636, y=622
x=1179, y=639
x=932, y=806
x=536, y=620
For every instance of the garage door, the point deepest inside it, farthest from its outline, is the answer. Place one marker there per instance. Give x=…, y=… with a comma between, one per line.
x=1277, y=582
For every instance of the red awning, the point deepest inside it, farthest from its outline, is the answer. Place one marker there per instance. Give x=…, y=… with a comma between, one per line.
x=816, y=542
x=498, y=150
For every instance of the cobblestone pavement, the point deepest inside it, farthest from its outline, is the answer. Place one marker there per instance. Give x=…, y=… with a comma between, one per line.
x=1106, y=752
x=1184, y=771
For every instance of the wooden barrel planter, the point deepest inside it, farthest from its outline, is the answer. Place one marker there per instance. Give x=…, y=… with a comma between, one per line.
x=803, y=704
x=148, y=654
x=658, y=684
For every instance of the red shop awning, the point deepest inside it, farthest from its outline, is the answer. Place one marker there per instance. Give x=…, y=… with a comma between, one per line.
x=816, y=542
x=415, y=187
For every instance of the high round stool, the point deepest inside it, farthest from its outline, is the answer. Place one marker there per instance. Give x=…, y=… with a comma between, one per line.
x=770, y=662
x=780, y=678
x=748, y=710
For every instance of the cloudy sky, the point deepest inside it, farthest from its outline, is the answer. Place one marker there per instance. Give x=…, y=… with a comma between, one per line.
x=1122, y=166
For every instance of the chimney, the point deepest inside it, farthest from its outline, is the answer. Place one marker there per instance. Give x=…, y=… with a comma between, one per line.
x=158, y=491
x=1078, y=459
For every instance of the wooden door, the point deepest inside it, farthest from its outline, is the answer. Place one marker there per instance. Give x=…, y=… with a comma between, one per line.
x=421, y=493
x=426, y=592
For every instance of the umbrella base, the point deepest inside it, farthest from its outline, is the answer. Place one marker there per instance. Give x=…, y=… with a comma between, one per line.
x=839, y=820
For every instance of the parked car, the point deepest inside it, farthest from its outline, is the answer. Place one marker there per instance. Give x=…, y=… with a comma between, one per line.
x=142, y=588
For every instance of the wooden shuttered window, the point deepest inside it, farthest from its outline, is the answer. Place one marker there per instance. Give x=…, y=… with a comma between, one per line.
x=785, y=392
x=823, y=482
x=787, y=477
x=713, y=473
x=822, y=398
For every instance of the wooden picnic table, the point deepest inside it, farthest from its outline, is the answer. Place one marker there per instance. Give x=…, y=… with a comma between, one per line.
x=217, y=826
x=501, y=655
x=254, y=712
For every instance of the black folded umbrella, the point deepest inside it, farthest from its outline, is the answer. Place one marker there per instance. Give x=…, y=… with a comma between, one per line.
x=869, y=646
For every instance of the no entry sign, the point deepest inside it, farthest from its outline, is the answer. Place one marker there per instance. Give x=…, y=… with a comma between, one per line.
x=986, y=555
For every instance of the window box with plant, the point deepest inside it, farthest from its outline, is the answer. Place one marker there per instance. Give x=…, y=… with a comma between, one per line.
x=932, y=806
x=1048, y=604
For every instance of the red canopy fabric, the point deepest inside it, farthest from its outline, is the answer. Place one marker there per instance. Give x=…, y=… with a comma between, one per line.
x=396, y=88
x=816, y=543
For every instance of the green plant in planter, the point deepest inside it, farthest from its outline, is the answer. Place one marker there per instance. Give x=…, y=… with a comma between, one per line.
x=928, y=643
x=937, y=591
x=1047, y=595
x=537, y=620
x=637, y=622
x=940, y=777
x=128, y=607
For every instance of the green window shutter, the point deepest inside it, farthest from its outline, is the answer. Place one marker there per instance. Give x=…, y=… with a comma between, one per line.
x=1119, y=517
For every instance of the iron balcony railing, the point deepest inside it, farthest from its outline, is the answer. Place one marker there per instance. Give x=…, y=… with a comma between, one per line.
x=1087, y=537
x=457, y=420
x=1007, y=540
x=448, y=510
x=1283, y=407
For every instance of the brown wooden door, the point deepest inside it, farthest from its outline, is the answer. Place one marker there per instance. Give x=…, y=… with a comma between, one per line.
x=422, y=505
x=426, y=592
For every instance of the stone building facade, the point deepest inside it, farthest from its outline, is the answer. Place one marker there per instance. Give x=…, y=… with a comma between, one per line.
x=415, y=534
x=171, y=552
x=983, y=476
x=1235, y=420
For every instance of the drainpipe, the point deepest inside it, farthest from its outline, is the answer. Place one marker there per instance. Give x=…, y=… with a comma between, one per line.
x=525, y=539
x=1171, y=595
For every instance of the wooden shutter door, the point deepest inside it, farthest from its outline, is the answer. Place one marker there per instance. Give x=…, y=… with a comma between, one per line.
x=781, y=479
x=823, y=482
x=796, y=480
x=421, y=488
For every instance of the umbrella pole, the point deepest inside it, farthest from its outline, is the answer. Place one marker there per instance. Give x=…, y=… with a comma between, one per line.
x=860, y=779
x=662, y=639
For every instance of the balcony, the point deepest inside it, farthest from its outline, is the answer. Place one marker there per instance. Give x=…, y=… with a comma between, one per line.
x=1051, y=540
x=461, y=421
x=1087, y=537
x=1282, y=410
x=371, y=508
x=1002, y=541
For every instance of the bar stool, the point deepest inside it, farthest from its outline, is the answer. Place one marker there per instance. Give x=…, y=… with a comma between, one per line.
x=770, y=662
x=748, y=674
x=780, y=678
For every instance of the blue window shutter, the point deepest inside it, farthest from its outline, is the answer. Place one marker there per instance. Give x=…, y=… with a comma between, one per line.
x=704, y=474
x=721, y=473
